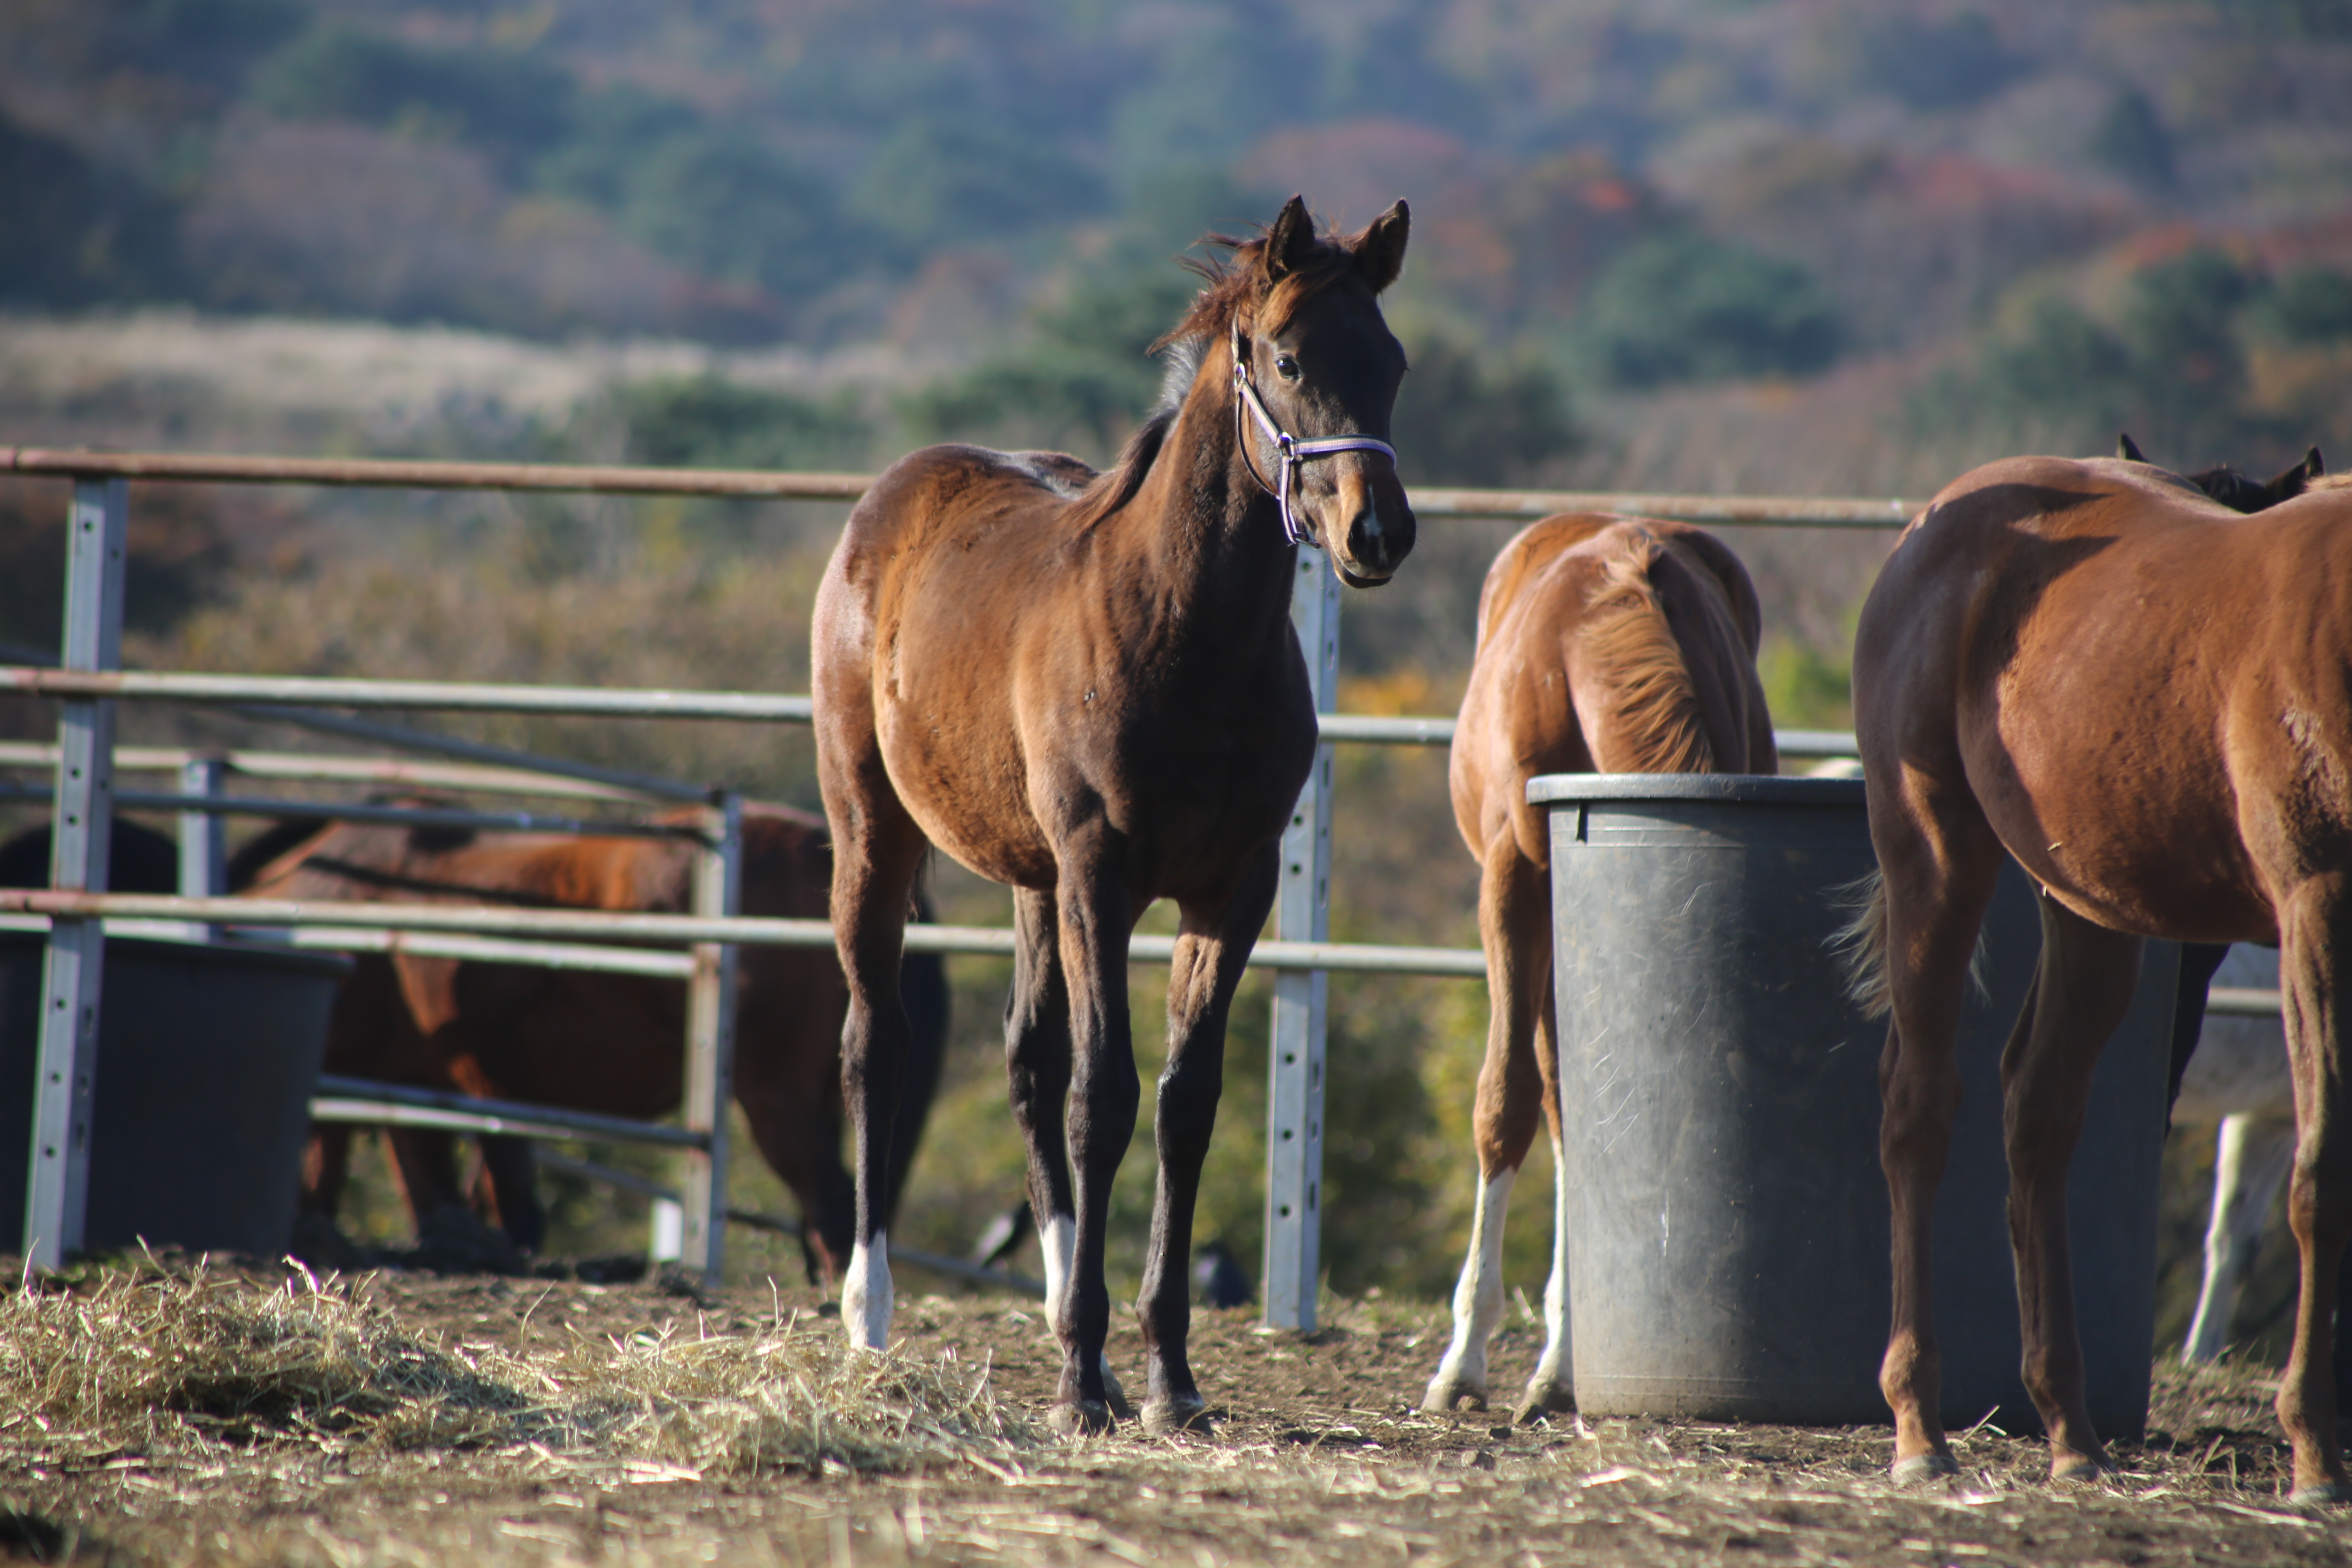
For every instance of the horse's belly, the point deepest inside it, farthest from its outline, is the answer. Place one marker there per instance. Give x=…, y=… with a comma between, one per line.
x=968, y=794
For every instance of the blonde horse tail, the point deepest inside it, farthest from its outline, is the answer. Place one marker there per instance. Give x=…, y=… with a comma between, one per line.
x=1861, y=945
x=1651, y=721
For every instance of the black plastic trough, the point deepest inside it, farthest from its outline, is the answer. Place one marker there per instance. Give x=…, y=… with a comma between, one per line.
x=207, y=1053
x=1729, y=1217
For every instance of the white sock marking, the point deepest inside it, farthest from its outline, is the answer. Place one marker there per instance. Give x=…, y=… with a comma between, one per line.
x=865, y=1294
x=1559, y=1360
x=1478, y=1299
x=1057, y=1238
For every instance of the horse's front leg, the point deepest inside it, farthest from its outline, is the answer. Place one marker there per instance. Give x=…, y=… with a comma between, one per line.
x=1037, y=1074
x=2315, y=972
x=2082, y=990
x=1211, y=950
x=1095, y=920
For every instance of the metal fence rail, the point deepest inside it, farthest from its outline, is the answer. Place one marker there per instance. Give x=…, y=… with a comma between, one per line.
x=1774, y=511
x=318, y=768
x=748, y=931
x=778, y=708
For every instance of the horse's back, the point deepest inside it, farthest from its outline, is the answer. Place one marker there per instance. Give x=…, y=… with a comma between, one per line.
x=1606, y=644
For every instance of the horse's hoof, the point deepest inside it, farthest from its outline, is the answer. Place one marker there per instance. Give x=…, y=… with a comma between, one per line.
x=1921, y=1468
x=2326, y=1494
x=1543, y=1399
x=1119, y=1404
x=1446, y=1393
x=1161, y=1417
x=1081, y=1419
x=2066, y=1465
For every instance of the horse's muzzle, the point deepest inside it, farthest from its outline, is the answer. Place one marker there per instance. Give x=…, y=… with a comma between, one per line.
x=1376, y=540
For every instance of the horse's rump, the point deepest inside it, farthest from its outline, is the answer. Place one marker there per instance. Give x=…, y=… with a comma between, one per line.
x=1607, y=644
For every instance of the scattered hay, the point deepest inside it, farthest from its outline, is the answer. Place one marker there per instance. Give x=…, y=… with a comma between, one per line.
x=148, y=1364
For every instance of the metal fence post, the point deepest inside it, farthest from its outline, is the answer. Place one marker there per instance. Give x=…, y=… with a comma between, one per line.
x=710, y=1039
x=1294, y=1133
x=56, y=1190
x=204, y=839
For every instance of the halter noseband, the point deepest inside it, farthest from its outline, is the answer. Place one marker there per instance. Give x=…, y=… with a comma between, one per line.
x=1294, y=453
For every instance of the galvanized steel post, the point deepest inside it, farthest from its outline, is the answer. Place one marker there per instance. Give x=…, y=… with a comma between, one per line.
x=204, y=838
x=1294, y=1131
x=710, y=1039
x=56, y=1191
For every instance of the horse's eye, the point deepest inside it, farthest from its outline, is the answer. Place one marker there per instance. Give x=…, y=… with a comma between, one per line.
x=1287, y=366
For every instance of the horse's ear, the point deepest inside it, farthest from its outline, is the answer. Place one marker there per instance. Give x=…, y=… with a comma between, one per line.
x=2290, y=481
x=1379, y=250
x=2129, y=449
x=1290, y=244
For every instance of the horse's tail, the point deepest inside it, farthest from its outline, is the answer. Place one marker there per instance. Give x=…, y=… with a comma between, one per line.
x=1861, y=945
x=1652, y=618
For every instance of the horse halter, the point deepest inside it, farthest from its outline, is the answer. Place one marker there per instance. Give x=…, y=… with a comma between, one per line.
x=1294, y=454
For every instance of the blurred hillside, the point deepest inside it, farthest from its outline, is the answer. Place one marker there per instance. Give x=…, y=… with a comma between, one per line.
x=1824, y=246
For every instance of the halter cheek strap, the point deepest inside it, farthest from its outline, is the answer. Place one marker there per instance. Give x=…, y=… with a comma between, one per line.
x=1292, y=454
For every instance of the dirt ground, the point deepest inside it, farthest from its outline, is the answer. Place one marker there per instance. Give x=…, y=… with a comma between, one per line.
x=1319, y=1456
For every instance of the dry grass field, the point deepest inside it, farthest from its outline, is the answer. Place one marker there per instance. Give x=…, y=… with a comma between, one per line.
x=165, y=1414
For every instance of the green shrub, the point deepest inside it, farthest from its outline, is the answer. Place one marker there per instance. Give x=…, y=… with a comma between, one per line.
x=2310, y=305
x=1684, y=308
x=495, y=97
x=1467, y=418
x=709, y=421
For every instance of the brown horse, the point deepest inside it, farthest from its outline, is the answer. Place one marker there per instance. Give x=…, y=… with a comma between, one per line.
x=2144, y=698
x=1094, y=693
x=1605, y=645
x=582, y=1039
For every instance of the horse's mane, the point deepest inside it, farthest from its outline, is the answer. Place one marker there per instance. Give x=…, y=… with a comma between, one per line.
x=2331, y=483
x=1229, y=284
x=1650, y=714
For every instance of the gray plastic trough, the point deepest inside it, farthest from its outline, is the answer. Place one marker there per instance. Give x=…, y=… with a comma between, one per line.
x=207, y=1053
x=1728, y=1213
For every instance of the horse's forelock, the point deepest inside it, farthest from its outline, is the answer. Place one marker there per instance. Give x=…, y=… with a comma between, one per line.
x=1233, y=285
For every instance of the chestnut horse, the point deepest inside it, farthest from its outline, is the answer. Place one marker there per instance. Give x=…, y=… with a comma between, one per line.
x=2143, y=697
x=1092, y=691
x=584, y=1039
x=1605, y=645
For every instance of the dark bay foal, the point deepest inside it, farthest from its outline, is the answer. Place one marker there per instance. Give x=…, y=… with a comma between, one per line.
x=1087, y=687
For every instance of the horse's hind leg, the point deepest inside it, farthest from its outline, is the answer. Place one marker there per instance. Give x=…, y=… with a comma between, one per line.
x=877, y=850
x=2082, y=990
x=2314, y=978
x=1211, y=952
x=1038, y=1076
x=1514, y=927
x=1552, y=1386
x=2250, y=1157
x=511, y=1167
x=1938, y=858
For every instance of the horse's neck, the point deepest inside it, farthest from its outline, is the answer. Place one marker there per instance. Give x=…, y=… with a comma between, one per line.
x=1217, y=543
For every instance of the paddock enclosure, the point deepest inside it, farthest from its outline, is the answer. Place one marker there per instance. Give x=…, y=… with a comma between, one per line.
x=90, y=680
x=405, y=1438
